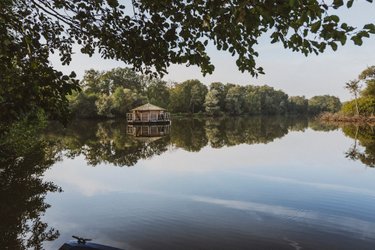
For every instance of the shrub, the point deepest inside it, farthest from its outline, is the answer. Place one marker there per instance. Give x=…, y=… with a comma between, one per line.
x=366, y=106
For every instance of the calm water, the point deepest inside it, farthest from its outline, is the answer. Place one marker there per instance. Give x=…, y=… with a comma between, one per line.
x=244, y=183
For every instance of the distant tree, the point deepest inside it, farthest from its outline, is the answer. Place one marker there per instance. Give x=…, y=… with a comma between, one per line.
x=364, y=101
x=197, y=96
x=354, y=88
x=126, y=99
x=105, y=82
x=158, y=93
x=234, y=100
x=366, y=106
x=324, y=103
x=297, y=105
x=126, y=78
x=178, y=99
x=83, y=105
x=188, y=96
x=104, y=105
x=368, y=76
x=265, y=100
x=212, y=102
x=221, y=90
x=91, y=82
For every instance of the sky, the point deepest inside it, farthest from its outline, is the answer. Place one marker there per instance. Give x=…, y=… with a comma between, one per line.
x=290, y=71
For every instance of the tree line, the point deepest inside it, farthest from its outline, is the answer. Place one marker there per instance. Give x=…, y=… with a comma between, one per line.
x=115, y=92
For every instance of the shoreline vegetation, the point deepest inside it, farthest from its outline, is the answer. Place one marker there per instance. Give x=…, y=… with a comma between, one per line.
x=112, y=94
x=341, y=118
x=361, y=109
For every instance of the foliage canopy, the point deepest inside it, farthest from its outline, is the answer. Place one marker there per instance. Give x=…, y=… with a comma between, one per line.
x=149, y=35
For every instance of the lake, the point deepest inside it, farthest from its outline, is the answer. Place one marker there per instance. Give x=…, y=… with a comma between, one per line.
x=233, y=183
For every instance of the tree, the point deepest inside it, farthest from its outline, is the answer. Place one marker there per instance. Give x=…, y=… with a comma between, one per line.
x=354, y=88
x=221, y=90
x=83, y=105
x=104, y=105
x=265, y=100
x=234, y=101
x=92, y=82
x=197, y=96
x=158, y=93
x=323, y=103
x=126, y=99
x=178, y=100
x=212, y=102
x=150, y=38
x=364, y=101
x=298, y=105
x=368, y=76
x=365, y=105
x=188, y=96
x=105, y=82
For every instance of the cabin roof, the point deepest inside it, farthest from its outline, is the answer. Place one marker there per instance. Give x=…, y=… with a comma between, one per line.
x=148, y=107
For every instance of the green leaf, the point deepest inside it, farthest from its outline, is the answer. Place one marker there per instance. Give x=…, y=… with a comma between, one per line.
x=333, y=46
x=343, y=39
x=349, y=3
x=370, y=27
x=315, y=26
x=357, y=40
x=335, y=18
x=337, y=3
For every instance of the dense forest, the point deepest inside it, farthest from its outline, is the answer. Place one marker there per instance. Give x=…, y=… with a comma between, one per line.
x=113, y=93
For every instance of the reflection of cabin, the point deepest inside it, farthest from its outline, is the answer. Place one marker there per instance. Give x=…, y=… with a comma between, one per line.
x=148, y=131
x=148, y=113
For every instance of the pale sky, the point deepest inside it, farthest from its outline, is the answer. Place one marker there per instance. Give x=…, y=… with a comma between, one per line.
x=290, y=71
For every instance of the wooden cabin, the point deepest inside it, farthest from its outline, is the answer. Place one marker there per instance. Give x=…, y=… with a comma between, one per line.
x=148, y=113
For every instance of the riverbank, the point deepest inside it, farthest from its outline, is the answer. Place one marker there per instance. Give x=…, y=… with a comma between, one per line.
x=340, y=118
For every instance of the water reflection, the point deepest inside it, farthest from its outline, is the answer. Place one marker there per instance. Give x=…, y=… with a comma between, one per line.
x=363, y=136
x=148, y=131
x=121, y=145
x=210, y=190
x=23, y=160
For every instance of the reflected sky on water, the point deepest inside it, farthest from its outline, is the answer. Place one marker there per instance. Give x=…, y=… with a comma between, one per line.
x=245, y=183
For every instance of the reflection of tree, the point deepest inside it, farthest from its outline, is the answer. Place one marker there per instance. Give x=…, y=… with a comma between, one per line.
x=317, y=125
x=106, y=142
x=365, y=136
x=23, y=160
x=109, y=142
x=188, y=134
x=260, y=129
